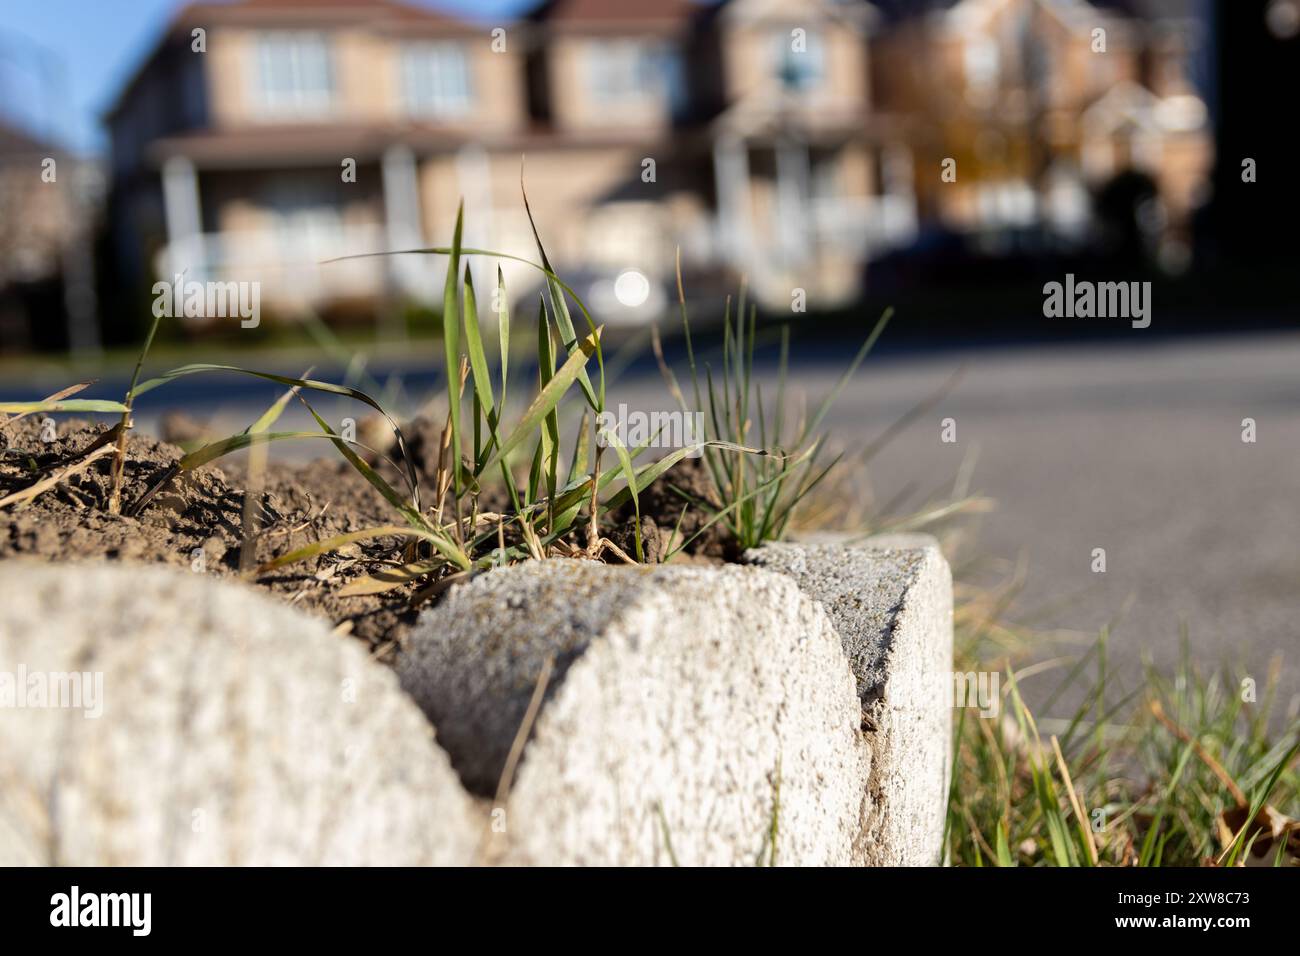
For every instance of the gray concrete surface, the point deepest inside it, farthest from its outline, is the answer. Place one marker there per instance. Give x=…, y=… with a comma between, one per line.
x=215, y=726
x=891, y=602
x=687, y=707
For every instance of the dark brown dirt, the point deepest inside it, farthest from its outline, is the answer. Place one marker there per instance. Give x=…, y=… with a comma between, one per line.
x=669, y=517
x=196, y=520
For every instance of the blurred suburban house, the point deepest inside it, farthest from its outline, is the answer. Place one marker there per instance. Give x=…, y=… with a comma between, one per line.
x=48, y=204
x=1044, y=107
x=791, y=142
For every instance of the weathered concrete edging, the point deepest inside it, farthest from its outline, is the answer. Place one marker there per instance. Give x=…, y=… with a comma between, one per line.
x=215, y=726
x=687, y=709
x=677, y=692
x=791, y=710
x=891, y=602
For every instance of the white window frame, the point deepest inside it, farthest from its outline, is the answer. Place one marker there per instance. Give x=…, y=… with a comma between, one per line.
x=626, y=71
x=620, y=61
x=308, y=66
x=436, y=79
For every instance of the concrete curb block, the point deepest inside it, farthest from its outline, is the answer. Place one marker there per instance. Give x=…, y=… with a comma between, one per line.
x=676, y=692
x=788, y=710
x=234, y=730
x=687, y=708
x=891, y=601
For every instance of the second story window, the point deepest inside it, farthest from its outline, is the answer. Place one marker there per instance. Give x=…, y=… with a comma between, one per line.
x=435, y=80
x=634, y=71
x=800, y=61
x=295, y=77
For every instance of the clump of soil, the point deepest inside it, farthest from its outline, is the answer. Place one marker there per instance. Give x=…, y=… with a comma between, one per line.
x=671, y=514
x=197, y=519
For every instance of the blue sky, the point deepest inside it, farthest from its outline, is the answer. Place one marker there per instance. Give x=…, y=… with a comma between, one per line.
x=62, y=61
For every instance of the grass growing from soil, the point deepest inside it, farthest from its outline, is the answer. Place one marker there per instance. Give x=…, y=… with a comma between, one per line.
x=762, y=493
x=1191, y=769
x=1183, y=770
x=569, y=492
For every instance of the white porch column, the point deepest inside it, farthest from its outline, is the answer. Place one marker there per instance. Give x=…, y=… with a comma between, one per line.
x=184, y=219
x=731, y=179
x=474, y=177
x=401, y=213
x=792, y=197
x=897, y=175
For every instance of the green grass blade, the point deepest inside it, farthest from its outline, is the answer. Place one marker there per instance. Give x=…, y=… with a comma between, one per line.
x=686, y=332
x=625, y=460
x=413, y=517
x=503, y=330
x=782, y=371
x=272, y=414
x=551, y=423
x=548, y=397
x=474, y=345
x=58, y=396
x=581, y=451
x=532, y=492
x=646, y=477
x=390, y=494
x=1001, y=847
x=451, y=345
x=829, y=400
x=748, y=356
x=326, y=545
x=313, y=385
x=217, y=449
x=1146, y=854
x=75, y=405
x=560, y=310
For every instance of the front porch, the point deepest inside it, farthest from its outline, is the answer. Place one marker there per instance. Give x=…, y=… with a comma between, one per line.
x=796, y=209
x=279, y=225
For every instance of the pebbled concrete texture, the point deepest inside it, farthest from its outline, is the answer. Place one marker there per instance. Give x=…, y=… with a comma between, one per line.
x=234, y=731
x=890, y=599
x=789, y=711
x=691, y=713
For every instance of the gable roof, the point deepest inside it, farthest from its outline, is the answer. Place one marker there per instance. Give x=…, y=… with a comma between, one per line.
x=17, y=142
x=1138, y=9
x=370, y=11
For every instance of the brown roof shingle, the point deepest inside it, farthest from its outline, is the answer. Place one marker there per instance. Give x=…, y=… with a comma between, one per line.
x=605, y=13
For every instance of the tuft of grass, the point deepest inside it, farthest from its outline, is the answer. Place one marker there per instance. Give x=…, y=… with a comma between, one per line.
x=474, y=446
x=1177, y=771
x=126, y=423
x=546, y=508
x=551, y=508
x=760, y=487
